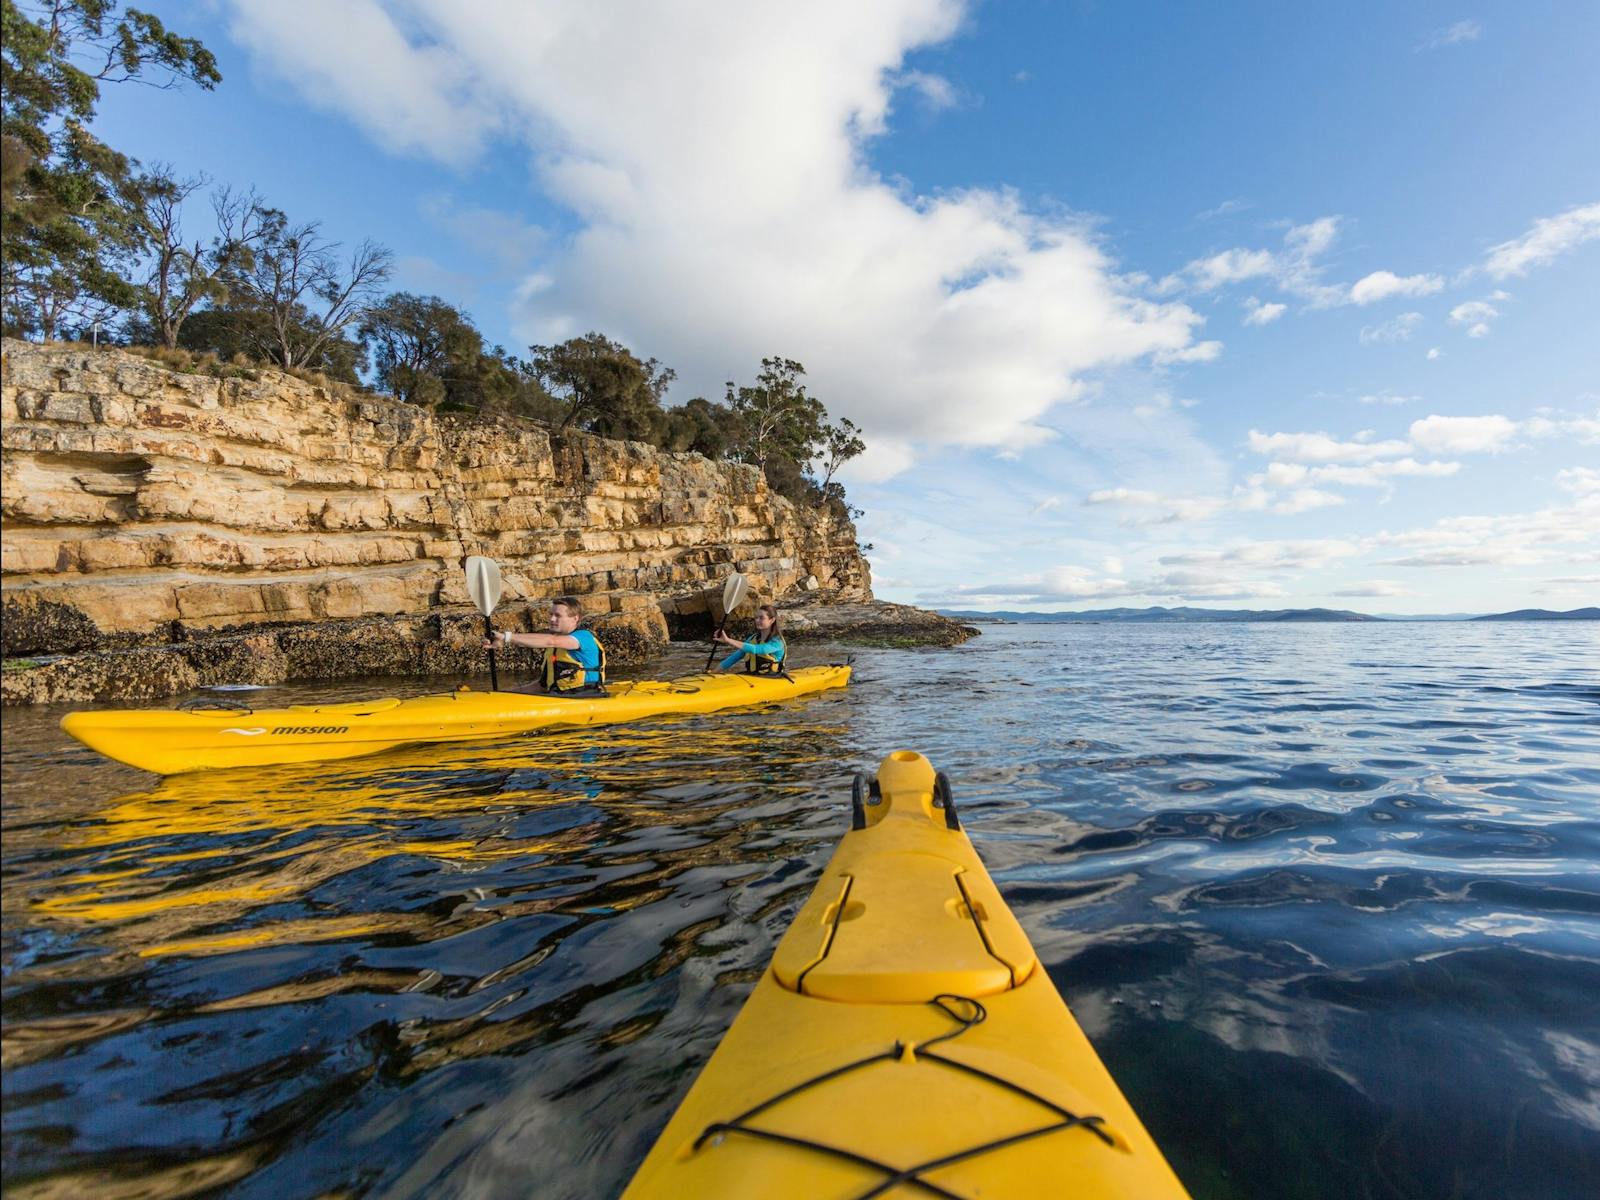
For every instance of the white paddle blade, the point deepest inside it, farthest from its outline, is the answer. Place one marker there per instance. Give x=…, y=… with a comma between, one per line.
x=483, y=583
x=733, y=592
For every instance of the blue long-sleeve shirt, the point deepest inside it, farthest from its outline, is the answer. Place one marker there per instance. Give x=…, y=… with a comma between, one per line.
x=773, y=649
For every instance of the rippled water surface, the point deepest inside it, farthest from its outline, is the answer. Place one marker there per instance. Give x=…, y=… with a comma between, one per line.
x=1326, y=898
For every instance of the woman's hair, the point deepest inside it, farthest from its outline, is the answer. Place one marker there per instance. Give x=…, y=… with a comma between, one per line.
x=777, y=625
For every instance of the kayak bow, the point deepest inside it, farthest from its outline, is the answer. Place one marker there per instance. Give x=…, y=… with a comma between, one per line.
x=171, y=741
x=905, y=1041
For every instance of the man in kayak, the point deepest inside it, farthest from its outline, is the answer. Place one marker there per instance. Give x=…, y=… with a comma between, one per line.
x=764, y=651
x=574, y=659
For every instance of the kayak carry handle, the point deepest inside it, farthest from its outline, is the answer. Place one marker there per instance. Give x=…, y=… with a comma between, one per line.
x=943, y=799
x=863, y=791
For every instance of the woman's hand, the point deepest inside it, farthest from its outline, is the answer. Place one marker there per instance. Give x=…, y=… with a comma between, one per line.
x=721, y=635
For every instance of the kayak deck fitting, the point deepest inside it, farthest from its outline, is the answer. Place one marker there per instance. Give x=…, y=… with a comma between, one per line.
x=905, y=1041
x=172, y=741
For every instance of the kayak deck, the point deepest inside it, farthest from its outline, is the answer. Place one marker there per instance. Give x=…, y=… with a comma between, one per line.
x=905, y=1041
x=172, y=741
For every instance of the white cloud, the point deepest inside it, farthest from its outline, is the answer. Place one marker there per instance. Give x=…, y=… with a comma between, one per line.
x=1487, y=556
x=1301, y=554
x=726, y=209
x=1434, y=352
x=1572, y=585
x=1463, y=435
x=1296, y=270
x=936, y=91
x=1307, y=241
x=1230, y=266
x=1387, y=398
x=884, y=458
x=1306, y=462
x=1322, y=447
x=353, y=59
x=1156, y=508
x=1380, y=285
x=1045, y=505
x=1474, y=313
x=1400, y=329
x=1198, y=352
x=1258, y=313
x=1225, y=209
x=1153, y=508
x=1197, y=585
x=1375, y=587
x=1376, y=474
x=1056, y=584
x=1122, y=495
x=1507, y=539
x=1304, y=500
x=1548, y=239
x=1584, y=429
x=1580, y=481
x=1075, y=584
x=1469, y=30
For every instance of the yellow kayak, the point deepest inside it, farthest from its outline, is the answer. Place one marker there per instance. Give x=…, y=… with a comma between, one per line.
x=905, y=1041
x=171, y=741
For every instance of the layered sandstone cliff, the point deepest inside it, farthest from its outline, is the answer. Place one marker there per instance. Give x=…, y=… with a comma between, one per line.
x=146, y=509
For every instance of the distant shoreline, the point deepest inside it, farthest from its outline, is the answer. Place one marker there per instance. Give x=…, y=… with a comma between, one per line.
x=1288, y=616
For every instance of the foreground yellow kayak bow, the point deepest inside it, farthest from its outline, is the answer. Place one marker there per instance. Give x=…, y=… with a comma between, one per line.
x=905, y=1041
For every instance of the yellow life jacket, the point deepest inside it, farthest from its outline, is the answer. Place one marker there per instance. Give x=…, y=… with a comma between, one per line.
x=766, y=664
x=563, y=672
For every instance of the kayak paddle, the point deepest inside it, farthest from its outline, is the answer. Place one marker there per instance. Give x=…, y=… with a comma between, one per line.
x=733, y=593
x=483, y=585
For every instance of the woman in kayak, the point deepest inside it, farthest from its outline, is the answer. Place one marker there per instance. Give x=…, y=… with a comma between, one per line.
x=764, y=651
x=574, y=659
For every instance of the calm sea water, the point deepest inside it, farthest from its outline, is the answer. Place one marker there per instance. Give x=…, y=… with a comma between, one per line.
x=1326, y=898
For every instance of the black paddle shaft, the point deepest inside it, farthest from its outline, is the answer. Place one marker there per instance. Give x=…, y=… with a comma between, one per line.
x=712, y=653
x=494, y=675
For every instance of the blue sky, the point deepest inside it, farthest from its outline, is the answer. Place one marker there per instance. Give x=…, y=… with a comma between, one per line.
x=1253, y=305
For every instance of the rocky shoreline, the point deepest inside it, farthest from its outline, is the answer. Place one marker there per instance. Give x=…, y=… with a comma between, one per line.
x=447, y=643
x=166, y=530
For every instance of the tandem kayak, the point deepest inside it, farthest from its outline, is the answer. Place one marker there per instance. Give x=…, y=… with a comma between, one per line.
x=905, y=1041
x=171, y=741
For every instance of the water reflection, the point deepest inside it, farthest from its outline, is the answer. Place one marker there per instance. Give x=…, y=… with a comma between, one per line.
x=1326, y=902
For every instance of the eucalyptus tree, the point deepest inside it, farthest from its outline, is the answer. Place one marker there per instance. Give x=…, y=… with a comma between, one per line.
x=603, y=386
x=304, y=296
x=777, y=417
x=181, y=275
x=70, y=233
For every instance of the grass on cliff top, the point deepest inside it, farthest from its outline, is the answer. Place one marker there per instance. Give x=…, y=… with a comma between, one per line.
x=195, y=362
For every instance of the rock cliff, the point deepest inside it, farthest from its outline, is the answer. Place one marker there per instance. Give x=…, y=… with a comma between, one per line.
x=195, y=519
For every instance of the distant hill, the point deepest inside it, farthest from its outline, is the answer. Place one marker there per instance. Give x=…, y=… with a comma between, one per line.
x=1544, y=614
x=1168, y=615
